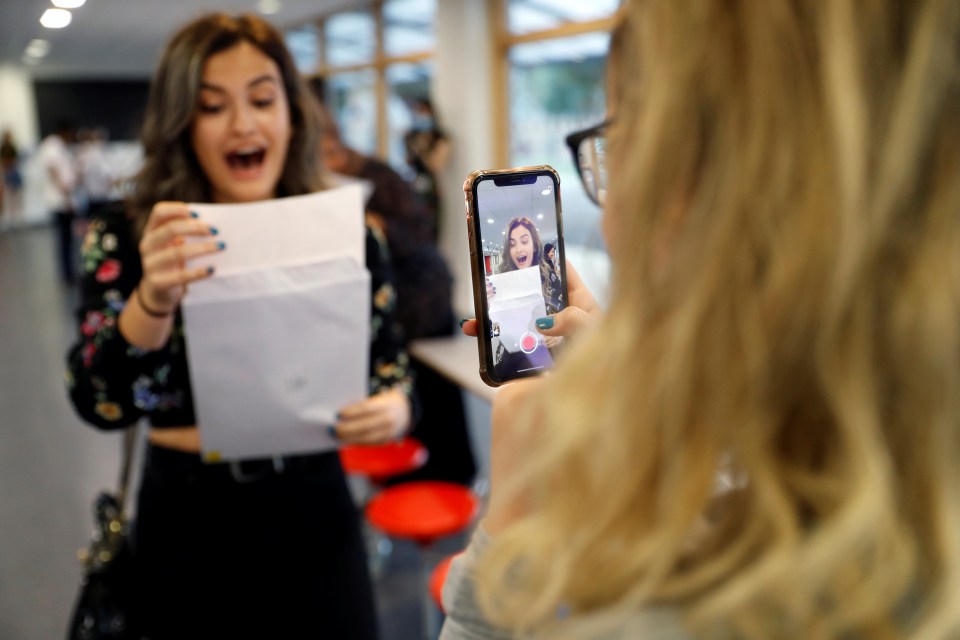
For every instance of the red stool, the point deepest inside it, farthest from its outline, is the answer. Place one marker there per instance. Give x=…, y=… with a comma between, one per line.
x=423, y=512
x=377, y=464
x=437, y=578
x=383, y=461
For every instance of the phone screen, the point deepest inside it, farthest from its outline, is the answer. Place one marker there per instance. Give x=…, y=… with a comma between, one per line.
x=518, y=239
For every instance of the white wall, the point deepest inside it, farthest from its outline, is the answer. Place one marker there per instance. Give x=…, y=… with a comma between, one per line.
x=18, y=112
x=18, y=108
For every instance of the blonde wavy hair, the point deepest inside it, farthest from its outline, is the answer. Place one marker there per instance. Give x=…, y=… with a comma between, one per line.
x=785, y=206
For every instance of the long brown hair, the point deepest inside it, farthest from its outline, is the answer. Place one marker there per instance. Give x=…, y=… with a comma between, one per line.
x=170, y=170
x=784, y=222
x=539, y=256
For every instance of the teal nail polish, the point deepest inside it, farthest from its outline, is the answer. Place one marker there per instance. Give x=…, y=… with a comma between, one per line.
x=194, y=214
x=462, y=321
x=332, y=431
x=221, y=245
x=214, y=231
x=545, y=323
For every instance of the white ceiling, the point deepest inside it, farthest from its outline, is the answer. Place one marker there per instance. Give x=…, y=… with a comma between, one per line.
x=122, y=38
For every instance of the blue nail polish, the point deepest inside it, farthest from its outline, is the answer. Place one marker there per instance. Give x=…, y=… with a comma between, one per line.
x=194, y=214
x=545, y=323
x=461, y=322
x=214, y=231
x=221, y=245
x=332, y=431
x=209, y=269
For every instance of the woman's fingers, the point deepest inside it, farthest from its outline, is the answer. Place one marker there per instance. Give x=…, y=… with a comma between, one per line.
x=171, y=278
x=577, y=316
x=370, y=430
x=166, y=270
x=552, y=342
x=469, y=327
x=163, y=212
x=491, y=290
x=580, y=295
x=566, y=322
x=378, y=418
x=168, y=244
x=173, y=232
x=176, y=255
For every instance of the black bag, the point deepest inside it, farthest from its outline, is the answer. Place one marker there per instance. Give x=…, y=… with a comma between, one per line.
x=104, y=609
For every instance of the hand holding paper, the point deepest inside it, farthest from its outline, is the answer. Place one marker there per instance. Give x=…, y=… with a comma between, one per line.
x=381, y=417
x=278, y=338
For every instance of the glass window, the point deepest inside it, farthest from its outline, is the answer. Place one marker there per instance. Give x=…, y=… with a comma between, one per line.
x=352, y=99
x=408, y=26
x=556, y=88
x=349, y=38
x=304, y=45
x=406, y=82
x=526, y=16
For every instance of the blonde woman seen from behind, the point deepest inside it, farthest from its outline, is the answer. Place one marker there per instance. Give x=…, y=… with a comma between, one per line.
x=770, y=449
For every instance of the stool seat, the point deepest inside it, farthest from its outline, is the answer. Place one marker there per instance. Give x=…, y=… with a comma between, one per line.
x=438, y=577
x=422, y=511
x=380, y=462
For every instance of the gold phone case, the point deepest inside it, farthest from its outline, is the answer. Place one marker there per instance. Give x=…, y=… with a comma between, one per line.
x=477, y=275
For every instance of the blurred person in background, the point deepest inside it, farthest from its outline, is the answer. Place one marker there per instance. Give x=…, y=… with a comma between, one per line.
x=424, y=289
x=97, y=177
x=11, y=186
x=427, y=149
x=60, y=167
x=759, y=438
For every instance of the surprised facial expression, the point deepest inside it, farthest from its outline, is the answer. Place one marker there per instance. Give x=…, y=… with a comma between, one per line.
x=521, y=247
x=242, y=128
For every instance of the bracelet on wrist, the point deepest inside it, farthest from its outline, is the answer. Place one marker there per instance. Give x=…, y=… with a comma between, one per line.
x=153, y=313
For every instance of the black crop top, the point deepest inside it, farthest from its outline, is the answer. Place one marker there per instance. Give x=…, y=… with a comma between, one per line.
x=112, y=383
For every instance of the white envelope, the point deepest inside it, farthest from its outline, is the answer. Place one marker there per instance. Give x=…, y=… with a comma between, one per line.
x=517, y=305
x=278, y=339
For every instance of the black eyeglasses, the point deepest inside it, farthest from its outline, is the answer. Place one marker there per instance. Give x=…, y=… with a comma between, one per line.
x=589, y=149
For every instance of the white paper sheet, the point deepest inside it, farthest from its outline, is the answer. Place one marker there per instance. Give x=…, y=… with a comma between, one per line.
x=270, y=233
x=278, y=338
x=517, y=305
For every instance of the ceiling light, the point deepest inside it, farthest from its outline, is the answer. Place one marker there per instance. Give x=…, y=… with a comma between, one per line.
x=268, y=7
x=38, y=48
x=68, y=4
x=56, y=18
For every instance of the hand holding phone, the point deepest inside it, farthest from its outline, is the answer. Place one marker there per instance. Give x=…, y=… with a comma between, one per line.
x=515, y=233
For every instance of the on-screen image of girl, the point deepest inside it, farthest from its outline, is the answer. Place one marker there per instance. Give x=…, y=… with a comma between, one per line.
x=522, y=249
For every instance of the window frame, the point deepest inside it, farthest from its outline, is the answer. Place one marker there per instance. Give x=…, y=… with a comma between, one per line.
x=379, y=64
x=504, y=41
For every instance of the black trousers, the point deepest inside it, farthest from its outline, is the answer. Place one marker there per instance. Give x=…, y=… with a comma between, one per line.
x=250, y=552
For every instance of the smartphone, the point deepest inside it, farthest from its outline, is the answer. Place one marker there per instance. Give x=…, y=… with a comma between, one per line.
x=515, y=233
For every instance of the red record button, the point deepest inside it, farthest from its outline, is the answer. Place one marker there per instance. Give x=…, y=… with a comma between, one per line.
x=528, y=343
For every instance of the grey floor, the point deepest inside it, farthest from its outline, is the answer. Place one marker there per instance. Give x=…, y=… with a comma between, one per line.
x=51, y=464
